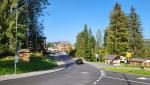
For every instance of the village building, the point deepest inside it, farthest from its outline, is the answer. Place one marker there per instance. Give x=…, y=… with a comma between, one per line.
x=109, y=58
x=113, y=59
x=139, y=62
x=61, y=46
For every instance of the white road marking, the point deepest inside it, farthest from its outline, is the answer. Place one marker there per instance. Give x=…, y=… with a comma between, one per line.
x=84, y=72
x=99, y=78
x=60, y=63
x=143, y=78
x=95, y=82
x=102, y=74
x=127, y=80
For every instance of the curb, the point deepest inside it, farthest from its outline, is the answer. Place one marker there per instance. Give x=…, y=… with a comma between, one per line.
x=29, y=74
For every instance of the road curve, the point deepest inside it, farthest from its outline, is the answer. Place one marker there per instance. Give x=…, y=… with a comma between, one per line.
x=72, y=75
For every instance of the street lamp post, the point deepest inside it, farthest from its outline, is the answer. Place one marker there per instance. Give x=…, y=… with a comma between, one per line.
x=17, y=48
x=27, y=43
x=17, y=44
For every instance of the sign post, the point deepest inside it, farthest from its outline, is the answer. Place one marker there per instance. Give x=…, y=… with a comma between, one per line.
x=16, y=61
x=97, y=57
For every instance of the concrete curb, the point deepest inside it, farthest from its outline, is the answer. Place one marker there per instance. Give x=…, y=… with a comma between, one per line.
x=29, y=74
x=8, y=77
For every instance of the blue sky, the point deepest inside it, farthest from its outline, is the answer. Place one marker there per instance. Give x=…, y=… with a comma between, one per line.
x=67, y=17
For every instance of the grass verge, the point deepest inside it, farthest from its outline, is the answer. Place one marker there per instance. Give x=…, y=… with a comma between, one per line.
x=36, y=64
x=128, y=70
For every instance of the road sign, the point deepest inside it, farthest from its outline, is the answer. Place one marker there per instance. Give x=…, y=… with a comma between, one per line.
x=16, y=59
x=96, y=55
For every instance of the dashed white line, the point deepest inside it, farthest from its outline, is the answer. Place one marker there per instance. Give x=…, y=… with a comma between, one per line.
x=95, y=82
x=143, y=78
x=102, y=74
x=84, y=72
x=99, y=78
x=127, y=80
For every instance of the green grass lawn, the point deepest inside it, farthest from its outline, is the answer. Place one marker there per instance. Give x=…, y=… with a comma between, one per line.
x=125, y=68
x=36, y=64
x=129, y=70
x=131, y=66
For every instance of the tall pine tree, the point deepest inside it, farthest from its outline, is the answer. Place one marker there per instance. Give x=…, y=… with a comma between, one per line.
x=7, y=26
x=91, y=46
x=98, y=39
x=108, y=40
x=135, y=32
x=28, y=12
x=79, y=45
x=85, y=44
x=118, y=31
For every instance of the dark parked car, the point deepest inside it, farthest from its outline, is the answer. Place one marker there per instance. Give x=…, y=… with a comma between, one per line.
x=79, y=61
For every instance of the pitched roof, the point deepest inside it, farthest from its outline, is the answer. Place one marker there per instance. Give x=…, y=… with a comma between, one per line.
x=138, y=59
x=109, y=56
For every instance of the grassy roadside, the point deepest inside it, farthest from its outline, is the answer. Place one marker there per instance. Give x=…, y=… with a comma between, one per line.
x=128, y=70
x=36, y=63
x=124, y=68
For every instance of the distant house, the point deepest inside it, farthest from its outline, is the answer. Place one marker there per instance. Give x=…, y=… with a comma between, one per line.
x=109, y=59
x=123, y=59
x=139, y=62
x=113, y=59
x=53, y=49
x=64, y=46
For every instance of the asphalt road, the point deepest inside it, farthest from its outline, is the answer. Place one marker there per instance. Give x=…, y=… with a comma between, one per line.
x=116, y=78
x=73, y=74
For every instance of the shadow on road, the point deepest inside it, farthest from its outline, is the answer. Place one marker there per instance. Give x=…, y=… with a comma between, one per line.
x=69, y=64
x=67, y=61
x=125, y=77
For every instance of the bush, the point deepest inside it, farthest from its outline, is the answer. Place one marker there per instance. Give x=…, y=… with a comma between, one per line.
x=121, y=62
x=72, y=53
